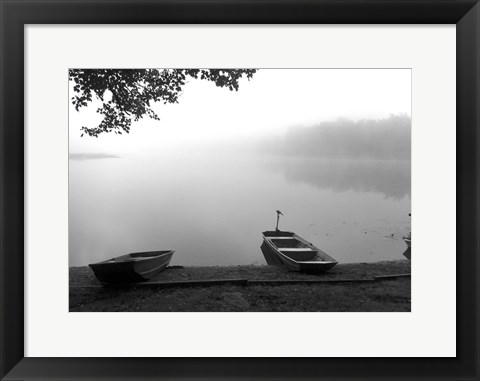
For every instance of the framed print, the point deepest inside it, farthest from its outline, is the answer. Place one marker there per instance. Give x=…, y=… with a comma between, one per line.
x=364, y=162
x=199, y=190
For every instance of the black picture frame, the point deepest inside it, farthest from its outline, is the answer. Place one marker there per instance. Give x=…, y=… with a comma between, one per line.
x=15, y=14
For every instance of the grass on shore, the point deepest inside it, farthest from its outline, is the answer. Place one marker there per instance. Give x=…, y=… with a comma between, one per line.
x=385, y=295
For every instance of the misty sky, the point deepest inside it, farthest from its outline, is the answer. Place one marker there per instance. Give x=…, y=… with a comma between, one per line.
x=272, y=101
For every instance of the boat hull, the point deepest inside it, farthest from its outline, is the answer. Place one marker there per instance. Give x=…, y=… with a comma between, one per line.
x=270, y=256
x=308, y=257
x=133, y=267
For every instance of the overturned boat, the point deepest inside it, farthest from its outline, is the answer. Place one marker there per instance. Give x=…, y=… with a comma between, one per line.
x=133, y=267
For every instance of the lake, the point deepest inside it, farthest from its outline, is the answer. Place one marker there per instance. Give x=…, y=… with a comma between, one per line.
x=212, y=206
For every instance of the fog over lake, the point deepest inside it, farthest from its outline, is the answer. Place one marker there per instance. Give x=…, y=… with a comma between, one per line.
x=207, y=183
x=211, y=207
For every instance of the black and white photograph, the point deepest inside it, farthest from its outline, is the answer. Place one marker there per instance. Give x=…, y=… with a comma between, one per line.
x=239, y=190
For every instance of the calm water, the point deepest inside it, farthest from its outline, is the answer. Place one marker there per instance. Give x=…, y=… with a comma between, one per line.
x=212, y=208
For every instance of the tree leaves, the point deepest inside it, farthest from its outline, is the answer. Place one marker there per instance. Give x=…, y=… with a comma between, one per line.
x=132, y=91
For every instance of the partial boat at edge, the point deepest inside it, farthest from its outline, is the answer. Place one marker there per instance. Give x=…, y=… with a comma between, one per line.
x=408, y=253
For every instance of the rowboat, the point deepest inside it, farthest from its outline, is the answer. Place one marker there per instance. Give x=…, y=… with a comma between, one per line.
x=133, y=267
x=294, y=252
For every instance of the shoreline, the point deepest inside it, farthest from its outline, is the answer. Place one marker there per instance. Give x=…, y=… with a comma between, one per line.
x=266, y=288
x=82, y=275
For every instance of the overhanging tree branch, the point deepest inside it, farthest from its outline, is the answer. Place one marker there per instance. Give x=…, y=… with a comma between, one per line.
x=132, y=91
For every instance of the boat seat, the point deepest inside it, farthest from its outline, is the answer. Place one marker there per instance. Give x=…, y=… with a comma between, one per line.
x=281, y=237
x=296, y=249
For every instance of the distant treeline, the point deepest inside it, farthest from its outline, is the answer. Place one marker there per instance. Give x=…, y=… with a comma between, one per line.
x=375, y=139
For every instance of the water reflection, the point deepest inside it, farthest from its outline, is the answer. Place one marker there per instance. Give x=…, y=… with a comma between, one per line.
x=391, y=178
x=211, y=207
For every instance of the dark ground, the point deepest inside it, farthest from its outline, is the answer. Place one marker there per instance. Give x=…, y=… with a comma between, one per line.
x=87, y=294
